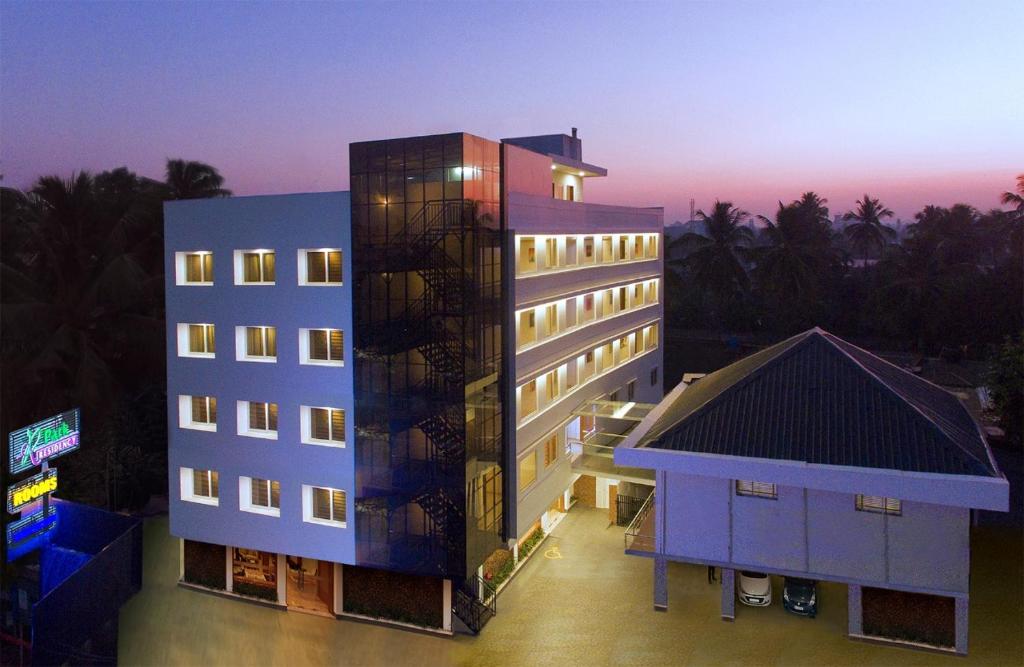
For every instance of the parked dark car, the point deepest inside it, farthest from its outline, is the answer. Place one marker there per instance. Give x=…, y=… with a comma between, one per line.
x=799, y=596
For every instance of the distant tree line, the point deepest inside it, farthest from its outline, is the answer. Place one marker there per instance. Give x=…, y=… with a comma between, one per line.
x=953, y=281
x=952, y=285
x=82, y=315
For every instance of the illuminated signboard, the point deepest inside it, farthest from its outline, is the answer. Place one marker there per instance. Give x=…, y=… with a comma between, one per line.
x=31, y=525
x=27, y=491
x=43, y=441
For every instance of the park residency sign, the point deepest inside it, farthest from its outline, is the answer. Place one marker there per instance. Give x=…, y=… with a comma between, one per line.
x=43, y=441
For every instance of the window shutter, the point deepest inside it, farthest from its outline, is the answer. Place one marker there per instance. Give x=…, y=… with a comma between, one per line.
x=338, y=505
x=272, y=416
x=334, y=266
x=254, y=341
x=319, y=425
x=212, y=409
x=321, y=503
x=214, y=484
x=257, y=416
x=338, y=425
x=337, y=345
x=271, y=334
x=318, y=344
x=268, y=267
x=199, y=415
x=208, y=267
x=316, y=272
x=251, y=267
x=193, y=268
x=275, y=495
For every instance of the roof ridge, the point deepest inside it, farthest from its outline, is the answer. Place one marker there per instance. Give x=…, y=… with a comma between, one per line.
x=831, y=339
x=742, y=380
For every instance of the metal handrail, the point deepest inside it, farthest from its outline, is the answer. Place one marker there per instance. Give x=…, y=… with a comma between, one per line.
x=633, y=529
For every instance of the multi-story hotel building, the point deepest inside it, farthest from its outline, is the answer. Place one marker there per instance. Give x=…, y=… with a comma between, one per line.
x=372, y=392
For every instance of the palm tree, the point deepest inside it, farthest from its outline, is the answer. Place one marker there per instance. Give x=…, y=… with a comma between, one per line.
x=867, y=230
x=813, y=208
x=187, y=179
x=716, y=260
x=1015, y=199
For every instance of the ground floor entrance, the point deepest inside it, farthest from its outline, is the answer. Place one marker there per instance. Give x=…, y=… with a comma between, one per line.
x=310, y=586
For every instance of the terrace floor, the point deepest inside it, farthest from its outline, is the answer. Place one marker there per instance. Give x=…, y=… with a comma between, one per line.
x=579, y=600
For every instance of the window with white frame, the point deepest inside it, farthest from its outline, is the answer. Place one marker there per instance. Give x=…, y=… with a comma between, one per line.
x=199, y=486
x=756, y=489
x=323, y=426
x=256, y=344
x=322, y=346
x=196, y=340
x=260, y=496
x=879, y=504
x=320, y=267
x=323, y=505
x=254, y=267
x=193, y=268
x=197, y=412
x=257, y=419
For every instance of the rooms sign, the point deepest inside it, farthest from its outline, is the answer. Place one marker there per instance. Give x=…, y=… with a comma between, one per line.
x=43, y=441
x=29, y=490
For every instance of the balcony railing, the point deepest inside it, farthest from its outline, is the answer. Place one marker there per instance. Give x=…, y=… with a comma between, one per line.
x=640, y=532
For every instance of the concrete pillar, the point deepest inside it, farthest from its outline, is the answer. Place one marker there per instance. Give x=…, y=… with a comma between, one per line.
x=446, y=623
x=229, y=575
x=660, y=584
x=854, y=611
x=961, y=624
x=728, y=594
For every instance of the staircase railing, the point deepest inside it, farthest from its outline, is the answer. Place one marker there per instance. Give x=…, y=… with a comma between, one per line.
x=639, y=535
x=476, y=607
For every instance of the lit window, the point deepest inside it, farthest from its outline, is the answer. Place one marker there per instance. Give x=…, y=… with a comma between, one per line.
x=324, y=426
x=254, y=267
x=196, y=340
x=551, y=253
x=257, y=419
x=551, y=317
x=260, y=496
x=321, y=267
x=193, y=268
x=551, y=449
x=527, y=255
x=756, y=489
x=323, y=346
x=527, y=327
x=527, y=470
x=588, y=249
x=879, y=504
x=588, y=307
x=638, y=247
x=197, y=412
x=324, y=506
x=528, y=399
x=551, y=385
x=256, y=343
x=200, y=486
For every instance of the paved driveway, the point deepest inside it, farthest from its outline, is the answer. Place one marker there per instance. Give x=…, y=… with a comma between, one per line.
x=579, y=601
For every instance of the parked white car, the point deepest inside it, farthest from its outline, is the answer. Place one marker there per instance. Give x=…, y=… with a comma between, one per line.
x=755, y=589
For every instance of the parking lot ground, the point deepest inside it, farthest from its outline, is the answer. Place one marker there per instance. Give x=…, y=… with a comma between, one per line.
x=578, y=601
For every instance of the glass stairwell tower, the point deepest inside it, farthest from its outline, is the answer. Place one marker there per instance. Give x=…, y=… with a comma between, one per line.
x=428, y=297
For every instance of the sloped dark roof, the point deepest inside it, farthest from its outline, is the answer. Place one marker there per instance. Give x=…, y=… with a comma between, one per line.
x=818, y=399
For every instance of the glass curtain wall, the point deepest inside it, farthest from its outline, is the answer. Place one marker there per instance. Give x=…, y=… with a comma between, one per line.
x=426, y=232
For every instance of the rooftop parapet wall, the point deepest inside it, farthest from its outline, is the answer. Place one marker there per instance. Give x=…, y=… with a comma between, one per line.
x=532, y=214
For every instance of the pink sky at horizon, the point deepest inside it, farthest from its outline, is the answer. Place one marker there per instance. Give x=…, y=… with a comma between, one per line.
x=915, y=102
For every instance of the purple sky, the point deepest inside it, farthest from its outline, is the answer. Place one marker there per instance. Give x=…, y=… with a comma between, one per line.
x=912, y=102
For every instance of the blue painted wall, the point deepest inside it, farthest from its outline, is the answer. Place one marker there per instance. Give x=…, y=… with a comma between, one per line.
x=286, y=224
x=926, y=548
